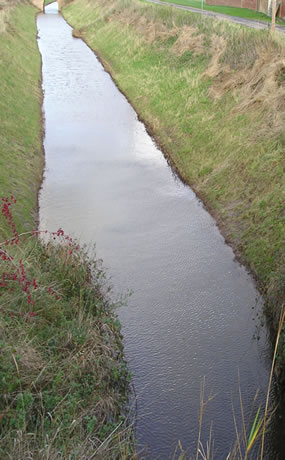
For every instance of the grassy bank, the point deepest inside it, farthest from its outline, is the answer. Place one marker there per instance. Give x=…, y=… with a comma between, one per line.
x=63, y=377
x=212, y=94
x=21, y=159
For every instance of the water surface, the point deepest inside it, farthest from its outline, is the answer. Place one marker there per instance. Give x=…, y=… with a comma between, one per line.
x=192, y=312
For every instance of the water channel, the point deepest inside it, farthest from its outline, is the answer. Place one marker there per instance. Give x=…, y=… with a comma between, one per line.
x=192, y=312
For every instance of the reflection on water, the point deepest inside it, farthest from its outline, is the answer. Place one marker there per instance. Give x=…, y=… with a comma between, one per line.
x=193, y=307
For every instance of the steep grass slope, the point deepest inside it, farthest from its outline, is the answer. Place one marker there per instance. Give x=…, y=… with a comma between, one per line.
x=21, y=154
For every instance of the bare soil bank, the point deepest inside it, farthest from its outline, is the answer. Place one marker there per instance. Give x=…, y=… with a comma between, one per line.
x=212, y=94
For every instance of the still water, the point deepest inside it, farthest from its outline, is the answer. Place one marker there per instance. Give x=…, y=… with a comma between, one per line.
x=192, y=312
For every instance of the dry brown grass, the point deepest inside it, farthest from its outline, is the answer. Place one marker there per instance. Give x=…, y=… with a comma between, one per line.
x=38, y=3
x=8, y=3
x=4, y=16
x=259, y=88
x=5, y=9
x=147, y=30
x=218, y=47
x=29, y=359
x=77, y=33
x=189, y=39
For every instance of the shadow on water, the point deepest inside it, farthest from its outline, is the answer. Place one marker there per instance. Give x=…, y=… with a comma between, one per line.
x=193, y=311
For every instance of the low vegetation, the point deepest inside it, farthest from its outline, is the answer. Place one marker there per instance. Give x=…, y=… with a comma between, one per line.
x=63, y=378
x=212, y=93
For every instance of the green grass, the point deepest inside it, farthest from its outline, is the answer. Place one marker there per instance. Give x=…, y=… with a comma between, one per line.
x=215, y=130
x=21, y=154
x=228, y=10
x=47, y=2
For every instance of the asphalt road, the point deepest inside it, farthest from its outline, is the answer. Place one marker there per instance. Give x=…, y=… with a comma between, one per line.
x=245, y=22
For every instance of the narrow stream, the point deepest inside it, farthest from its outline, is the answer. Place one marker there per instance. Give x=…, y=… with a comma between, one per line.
x=193, y=309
